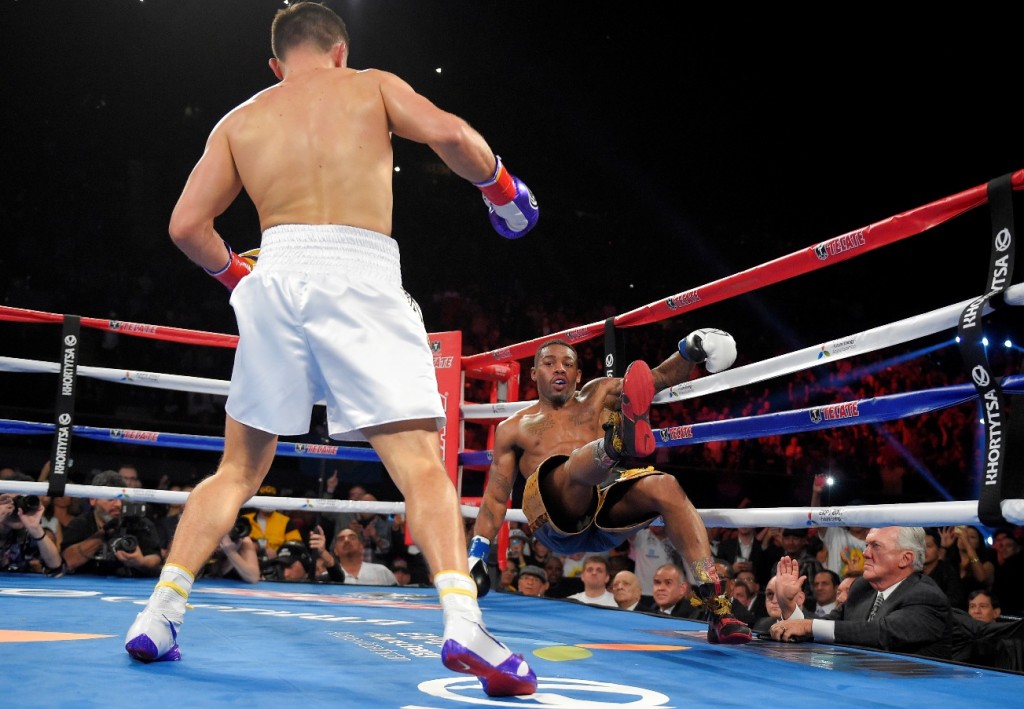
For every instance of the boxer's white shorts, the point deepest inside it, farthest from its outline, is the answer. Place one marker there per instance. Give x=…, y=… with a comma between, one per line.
x=324, y=317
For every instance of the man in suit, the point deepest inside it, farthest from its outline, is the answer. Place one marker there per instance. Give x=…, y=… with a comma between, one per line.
x=626, y=589
x=756, y=603
x=762, y=626
x=894, y=606
x=672, y=594
x=826, y=589
x=742, y=599
x=747, y=551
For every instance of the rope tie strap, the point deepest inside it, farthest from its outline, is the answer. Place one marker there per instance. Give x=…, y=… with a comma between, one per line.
x=613, y=442
x=718, y=605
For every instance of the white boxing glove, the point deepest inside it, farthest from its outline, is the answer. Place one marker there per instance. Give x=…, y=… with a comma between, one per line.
x=715, y=348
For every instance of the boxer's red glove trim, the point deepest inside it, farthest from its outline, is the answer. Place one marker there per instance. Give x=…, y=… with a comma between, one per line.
x=237, y=269
x=500, y=189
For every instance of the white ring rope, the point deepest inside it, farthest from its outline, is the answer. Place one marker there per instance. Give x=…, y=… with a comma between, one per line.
x=174, y=382
x=262, y=502
x=923, y=514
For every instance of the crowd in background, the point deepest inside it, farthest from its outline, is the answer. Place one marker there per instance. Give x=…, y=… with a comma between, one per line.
x=981, y=571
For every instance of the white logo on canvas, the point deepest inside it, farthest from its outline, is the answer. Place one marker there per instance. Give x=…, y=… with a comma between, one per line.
x=551, y=691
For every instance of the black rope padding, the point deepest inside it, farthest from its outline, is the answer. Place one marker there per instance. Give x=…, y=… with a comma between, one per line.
x=997, y=423
x=611, y=364
x=64, y=407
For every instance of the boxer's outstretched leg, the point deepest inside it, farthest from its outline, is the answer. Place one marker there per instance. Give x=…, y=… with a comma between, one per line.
x=637, y=395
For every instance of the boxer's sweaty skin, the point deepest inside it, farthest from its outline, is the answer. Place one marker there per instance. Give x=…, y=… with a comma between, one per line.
x=329, y=165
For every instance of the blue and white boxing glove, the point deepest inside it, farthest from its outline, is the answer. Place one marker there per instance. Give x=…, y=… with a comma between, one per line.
x=715, y=348
x=479, y=550
x=511, y=206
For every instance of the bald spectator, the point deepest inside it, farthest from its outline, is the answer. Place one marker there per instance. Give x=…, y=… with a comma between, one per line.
x=671, y=594
x=626, y=590
x=348, y=550
x=771, y=600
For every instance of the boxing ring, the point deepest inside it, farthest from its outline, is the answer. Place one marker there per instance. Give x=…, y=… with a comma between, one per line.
x=279, y=645
x=270, y=643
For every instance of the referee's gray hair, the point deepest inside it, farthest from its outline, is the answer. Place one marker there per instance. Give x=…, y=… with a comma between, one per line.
x=912, y=539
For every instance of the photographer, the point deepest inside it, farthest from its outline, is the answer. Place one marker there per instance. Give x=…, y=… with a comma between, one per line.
x=292, y=563
x=105, y=542
x=24, y=545
x=236, y=555
x=270, y=528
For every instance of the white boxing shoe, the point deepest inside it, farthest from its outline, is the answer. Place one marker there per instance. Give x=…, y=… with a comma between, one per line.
x=476, y=652
x=153, y=638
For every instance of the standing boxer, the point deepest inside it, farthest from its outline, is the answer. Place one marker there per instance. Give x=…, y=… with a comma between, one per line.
x=571, y=445
x=323, y=315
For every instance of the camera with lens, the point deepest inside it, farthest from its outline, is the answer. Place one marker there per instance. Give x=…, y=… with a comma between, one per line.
x=26, y=504
x=127, y=543
x=242, y=528
x=120, y=536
